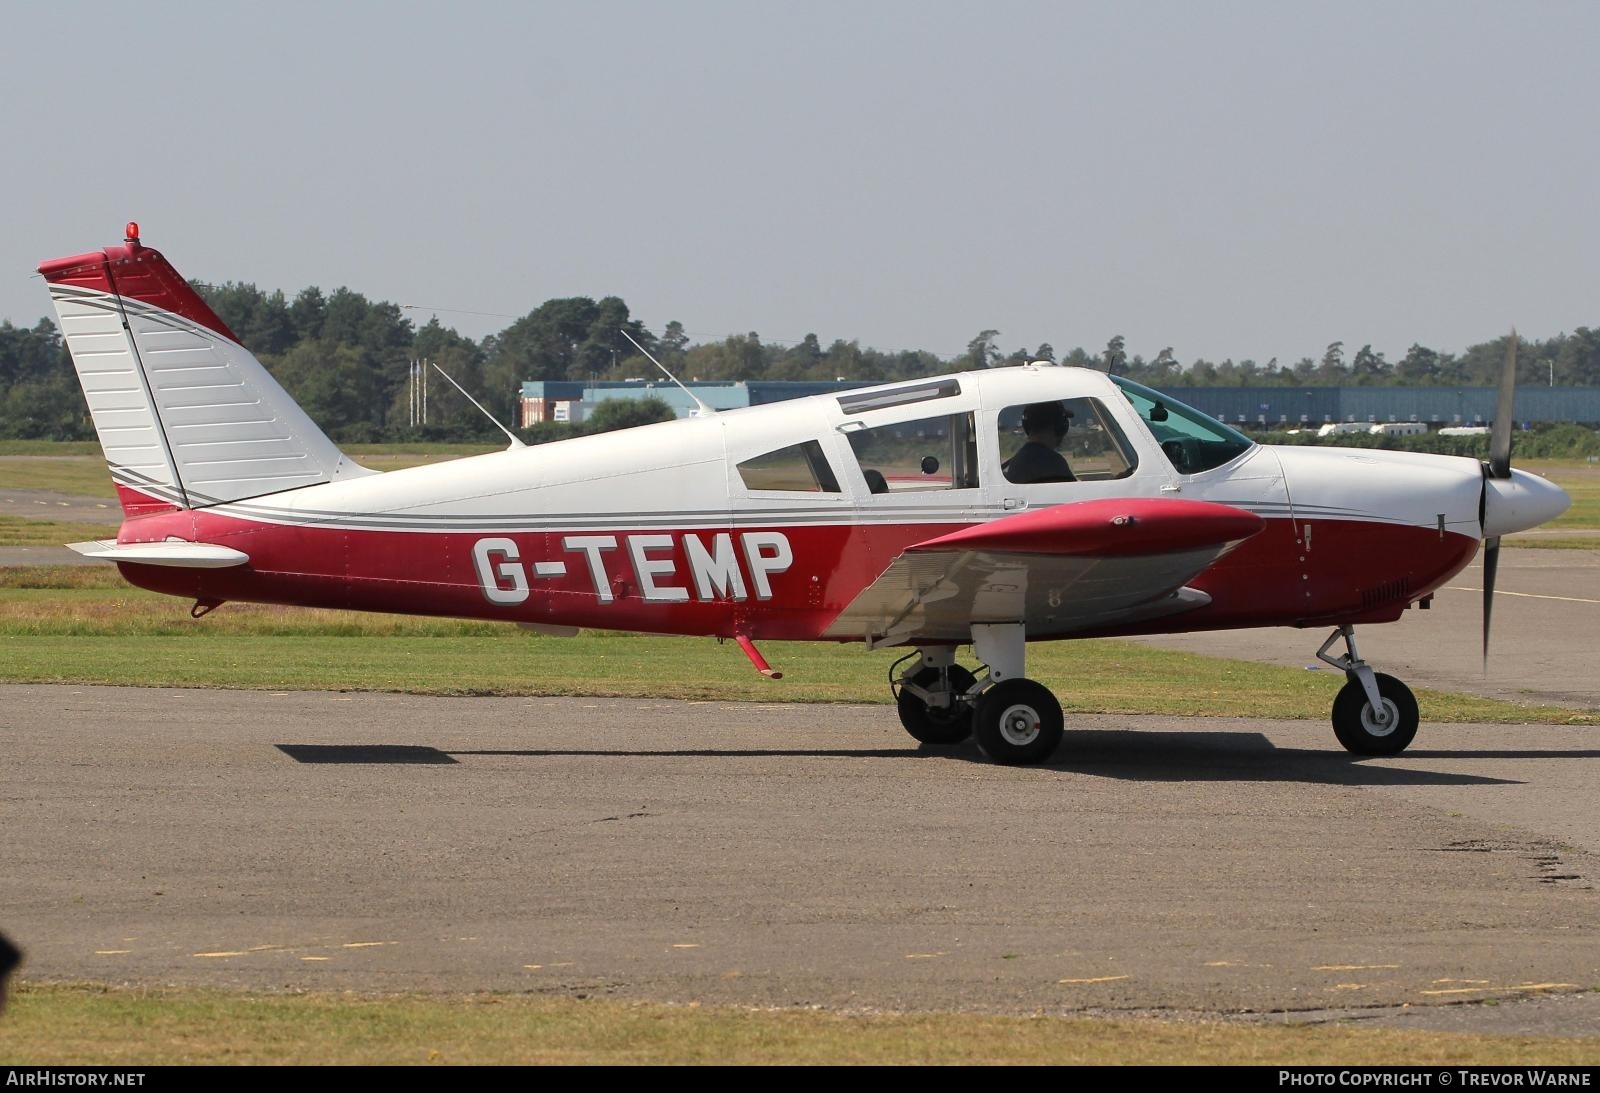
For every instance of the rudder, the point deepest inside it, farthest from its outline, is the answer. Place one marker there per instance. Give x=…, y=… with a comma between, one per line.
x=187, y=417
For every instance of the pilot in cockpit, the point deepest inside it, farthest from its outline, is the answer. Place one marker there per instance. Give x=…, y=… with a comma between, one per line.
x=1038, y=460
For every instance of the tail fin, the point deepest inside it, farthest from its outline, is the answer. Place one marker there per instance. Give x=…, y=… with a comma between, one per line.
x=187, y=417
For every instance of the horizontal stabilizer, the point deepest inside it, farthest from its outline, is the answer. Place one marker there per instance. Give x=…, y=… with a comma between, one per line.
x=172, y=553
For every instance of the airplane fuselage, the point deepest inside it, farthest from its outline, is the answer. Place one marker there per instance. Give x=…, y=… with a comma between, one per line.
x=658, y=529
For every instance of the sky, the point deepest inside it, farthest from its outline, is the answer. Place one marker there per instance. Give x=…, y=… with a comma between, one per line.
x=1230, y=179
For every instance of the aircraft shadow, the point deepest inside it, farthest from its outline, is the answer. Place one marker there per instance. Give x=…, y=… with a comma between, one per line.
x=1135, y=756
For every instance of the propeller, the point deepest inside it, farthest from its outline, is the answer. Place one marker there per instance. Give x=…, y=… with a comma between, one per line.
x=1498, y=465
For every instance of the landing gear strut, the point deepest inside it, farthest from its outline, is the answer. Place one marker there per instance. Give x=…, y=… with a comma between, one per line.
x=1373, y=713
x=1016, y=721
x=935, y=698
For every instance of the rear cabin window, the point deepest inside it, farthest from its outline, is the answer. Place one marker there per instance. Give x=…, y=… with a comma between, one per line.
x=933, y=453
x=1090, y=448
x=799, y=468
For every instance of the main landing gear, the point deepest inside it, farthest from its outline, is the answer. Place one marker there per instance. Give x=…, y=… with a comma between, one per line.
x=1373, y=713
x=1016, y=721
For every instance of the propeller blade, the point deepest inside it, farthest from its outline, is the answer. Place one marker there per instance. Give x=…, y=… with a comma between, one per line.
x=1491, y=563
x=1505, y=408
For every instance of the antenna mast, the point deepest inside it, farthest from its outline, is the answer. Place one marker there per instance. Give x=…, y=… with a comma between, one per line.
x=703, y=408
x=515, y=442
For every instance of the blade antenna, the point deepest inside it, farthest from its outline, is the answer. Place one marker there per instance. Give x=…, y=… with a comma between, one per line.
x=515, y=442
x=702, y=407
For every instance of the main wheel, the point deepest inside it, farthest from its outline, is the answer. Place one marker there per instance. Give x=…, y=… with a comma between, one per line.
x=1365, y=734
x=938, y=724
x=1017, y=722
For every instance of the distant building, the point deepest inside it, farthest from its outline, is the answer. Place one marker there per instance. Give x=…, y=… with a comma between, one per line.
x=574, y=400
x=1250, y=407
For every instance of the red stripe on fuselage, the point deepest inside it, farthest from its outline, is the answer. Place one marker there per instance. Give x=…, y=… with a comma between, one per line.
x=1354, y=571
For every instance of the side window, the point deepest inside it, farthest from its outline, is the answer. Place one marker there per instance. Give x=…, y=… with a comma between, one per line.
x=799, y=468
x=932, y=453
x=1073, y=440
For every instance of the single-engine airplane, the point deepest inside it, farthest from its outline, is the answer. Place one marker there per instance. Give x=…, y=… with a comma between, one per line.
x=904, y=515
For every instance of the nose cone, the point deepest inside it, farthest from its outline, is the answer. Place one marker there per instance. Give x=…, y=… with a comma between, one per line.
x=1520, y=502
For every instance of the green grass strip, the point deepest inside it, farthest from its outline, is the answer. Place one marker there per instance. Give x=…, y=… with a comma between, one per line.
x=81, y=1025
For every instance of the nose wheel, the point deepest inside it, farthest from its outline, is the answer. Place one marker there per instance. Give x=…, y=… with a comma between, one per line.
x=1373, y=713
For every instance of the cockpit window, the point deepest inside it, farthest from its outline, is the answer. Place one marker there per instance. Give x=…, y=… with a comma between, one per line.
x=1192, y=441
x=1073, y=440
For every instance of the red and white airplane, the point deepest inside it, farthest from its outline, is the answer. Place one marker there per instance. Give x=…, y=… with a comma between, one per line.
x=887, y=515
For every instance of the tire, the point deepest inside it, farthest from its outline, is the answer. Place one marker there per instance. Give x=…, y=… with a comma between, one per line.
x=934, y=725
x=1356, y=728
x=1018, y=722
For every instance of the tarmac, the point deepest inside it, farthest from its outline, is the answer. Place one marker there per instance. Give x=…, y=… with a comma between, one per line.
x=787, y=855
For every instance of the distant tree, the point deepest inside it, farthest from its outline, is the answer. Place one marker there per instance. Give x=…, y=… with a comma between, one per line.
x=981, y=351
x=1419, y=367
x=1045, y=352
x=1369, y=367
x=673, y=342
x=308, y=312
x=627, y=413
x=1115, y=356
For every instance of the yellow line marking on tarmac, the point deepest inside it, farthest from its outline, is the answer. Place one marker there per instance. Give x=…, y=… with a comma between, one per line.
x=685, y=945
x=1101, y=979
x=1234, y=964
x=316, y=958
x=1463, y=980
x=112, y=952
x=533, y=967
x=240, y=952
x=1523, y=595
x=365, y=944
x=1349, y=987
x=1350, y=967
x=1519, y=987
x=925, y=956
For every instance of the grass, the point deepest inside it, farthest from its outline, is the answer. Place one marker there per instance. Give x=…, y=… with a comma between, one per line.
x=1553, y=542
x=80, y=475
x=1581, y=480
x=82, y=625
x=80, y=469
x=23, y=531
x=99, y=1026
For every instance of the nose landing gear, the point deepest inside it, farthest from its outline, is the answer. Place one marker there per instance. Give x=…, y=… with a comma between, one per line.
x=1373, y=713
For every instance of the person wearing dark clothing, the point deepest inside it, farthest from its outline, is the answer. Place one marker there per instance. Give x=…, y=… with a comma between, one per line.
x=10, y=957
x=1045, y=426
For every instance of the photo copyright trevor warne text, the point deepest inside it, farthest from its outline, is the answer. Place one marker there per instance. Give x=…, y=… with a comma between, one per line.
x=1434, y=1077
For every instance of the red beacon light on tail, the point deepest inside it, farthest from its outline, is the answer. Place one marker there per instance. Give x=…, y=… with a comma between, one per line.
x=132, y=235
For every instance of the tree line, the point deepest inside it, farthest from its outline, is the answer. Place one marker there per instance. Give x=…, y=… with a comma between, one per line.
x=346, y=360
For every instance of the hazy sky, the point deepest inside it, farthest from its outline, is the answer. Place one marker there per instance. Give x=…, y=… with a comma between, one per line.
x=1230, y=179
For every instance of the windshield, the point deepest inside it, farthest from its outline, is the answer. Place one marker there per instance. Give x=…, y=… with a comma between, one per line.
x=1192, y=441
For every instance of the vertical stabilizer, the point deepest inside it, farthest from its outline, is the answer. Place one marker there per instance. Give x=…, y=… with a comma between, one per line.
x=186, y=415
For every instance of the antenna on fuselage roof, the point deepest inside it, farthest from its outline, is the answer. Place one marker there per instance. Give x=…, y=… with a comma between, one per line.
x=703, y=408
x=515, y=443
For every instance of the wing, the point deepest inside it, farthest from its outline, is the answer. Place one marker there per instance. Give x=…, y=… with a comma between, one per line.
x=1058, y=570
